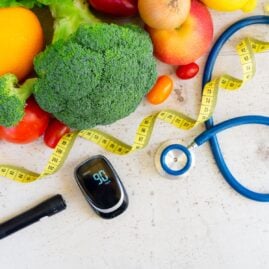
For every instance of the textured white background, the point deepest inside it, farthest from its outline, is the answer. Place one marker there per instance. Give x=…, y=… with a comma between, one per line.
x=195, y=222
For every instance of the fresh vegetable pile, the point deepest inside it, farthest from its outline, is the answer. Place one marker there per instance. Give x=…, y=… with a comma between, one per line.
x=95, y=73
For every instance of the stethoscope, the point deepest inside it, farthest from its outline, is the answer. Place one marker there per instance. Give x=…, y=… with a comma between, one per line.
x=173, y=160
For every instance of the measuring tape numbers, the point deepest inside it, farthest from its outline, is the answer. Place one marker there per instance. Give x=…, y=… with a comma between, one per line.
x=55, y=162
x=245, y=49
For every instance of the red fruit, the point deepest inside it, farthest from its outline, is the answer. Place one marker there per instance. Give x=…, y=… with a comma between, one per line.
x=30, y=128
x=119, y=8
x=55, y=131
x=187, y=71
x=188, y=42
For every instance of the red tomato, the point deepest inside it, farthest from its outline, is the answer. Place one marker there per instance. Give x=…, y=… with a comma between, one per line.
x=119, y=8
x=161, y=90
x=187, y=71
x=30, y=128
x=54, y=133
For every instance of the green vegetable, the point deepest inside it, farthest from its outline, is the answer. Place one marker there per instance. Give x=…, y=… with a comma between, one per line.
x=12, y=99
x=93, y=73
x=19, y=3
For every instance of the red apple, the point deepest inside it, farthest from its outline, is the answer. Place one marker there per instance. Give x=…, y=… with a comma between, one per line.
x=189, y=41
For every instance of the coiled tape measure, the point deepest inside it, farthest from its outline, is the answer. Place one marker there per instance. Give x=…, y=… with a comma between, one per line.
x=245, y=49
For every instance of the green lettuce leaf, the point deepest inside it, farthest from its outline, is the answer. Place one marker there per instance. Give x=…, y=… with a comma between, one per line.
x=20, y=3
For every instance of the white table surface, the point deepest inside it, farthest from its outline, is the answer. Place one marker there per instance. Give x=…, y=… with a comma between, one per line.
x=194, y=222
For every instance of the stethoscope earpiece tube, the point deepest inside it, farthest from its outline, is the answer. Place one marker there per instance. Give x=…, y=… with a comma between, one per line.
x=213, y=131
x=215, y=148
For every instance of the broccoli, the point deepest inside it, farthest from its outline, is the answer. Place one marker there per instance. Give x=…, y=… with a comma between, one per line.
x=93, y=73
x=12, y=99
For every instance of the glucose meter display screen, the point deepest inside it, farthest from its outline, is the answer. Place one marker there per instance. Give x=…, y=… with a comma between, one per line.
x=100, y=183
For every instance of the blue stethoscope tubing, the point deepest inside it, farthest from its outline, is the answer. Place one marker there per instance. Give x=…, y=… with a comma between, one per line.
x=212, y=130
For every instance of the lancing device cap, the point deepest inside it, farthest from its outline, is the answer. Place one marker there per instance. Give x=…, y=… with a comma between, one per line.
x=49, y=207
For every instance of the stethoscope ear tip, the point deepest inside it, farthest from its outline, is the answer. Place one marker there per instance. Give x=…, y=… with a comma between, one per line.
x=173, y=160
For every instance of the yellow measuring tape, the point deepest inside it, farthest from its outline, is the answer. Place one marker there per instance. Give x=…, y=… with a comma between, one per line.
x=245, y=49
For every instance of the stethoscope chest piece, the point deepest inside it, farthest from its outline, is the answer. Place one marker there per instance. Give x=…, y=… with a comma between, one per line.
x=173, y=160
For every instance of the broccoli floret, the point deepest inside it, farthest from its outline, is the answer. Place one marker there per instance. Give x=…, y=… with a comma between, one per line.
x=12, y=99
x=93, y=73
x=96, y=76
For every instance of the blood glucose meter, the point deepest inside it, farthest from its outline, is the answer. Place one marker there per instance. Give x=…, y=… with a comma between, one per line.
x=102, y=187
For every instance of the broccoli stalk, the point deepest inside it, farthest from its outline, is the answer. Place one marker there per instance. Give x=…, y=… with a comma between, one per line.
x=13, y=98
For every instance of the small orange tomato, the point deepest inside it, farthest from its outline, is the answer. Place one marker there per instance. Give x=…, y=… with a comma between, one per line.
x=161, y=90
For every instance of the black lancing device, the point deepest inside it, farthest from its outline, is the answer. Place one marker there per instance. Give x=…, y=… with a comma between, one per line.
x=102, y=187
x=49, y=207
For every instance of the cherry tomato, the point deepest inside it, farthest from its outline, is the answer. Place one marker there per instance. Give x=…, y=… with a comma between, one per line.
x=119, y=8
x=187, y=71
x=161, y=90
x=30, y=128
x=54, y=133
